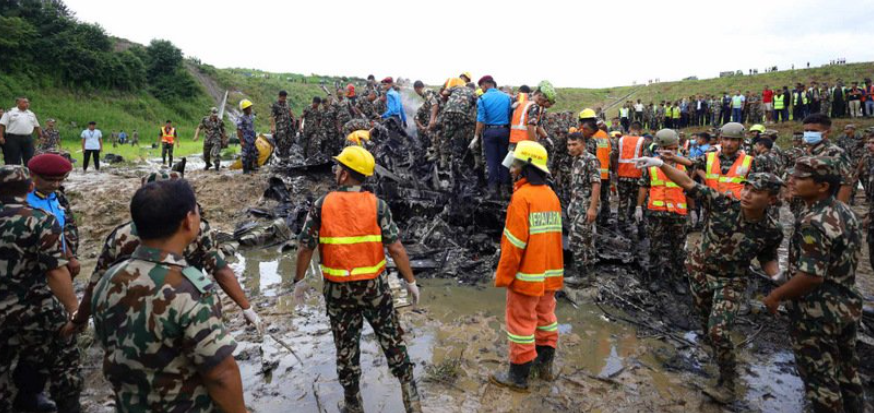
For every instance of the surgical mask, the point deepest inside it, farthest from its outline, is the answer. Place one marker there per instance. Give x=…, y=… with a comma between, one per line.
x=508, y=160
x=812, y=137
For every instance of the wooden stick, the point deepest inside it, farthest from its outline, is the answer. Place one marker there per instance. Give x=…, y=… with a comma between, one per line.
x=287, y=347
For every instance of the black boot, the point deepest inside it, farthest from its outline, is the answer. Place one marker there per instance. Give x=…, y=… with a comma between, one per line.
x=515, y=379
x=70, y=405
x=543, y=364
x=34, y=402
x=352, y=402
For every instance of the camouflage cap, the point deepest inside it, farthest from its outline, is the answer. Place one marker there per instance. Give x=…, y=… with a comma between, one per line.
x=214, y=110
x=815, y=166
x=765, y=181
x=869, y=130
x=160, y=176
x=13, y=173
x=771, y=132
x=850, y=126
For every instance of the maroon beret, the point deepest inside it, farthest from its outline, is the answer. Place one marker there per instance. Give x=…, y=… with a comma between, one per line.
x=388, y=80
x=486, y=78
x=49, y=164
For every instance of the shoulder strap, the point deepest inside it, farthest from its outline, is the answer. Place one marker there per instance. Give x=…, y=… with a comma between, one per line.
x=197, y=278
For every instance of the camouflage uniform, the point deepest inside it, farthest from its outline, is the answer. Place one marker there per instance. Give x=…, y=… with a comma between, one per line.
x=30, y=315
x=311, y=118
x=212, y=143
x=423, y=115
x=719, y=268
x=585, y=172
x=349, y=303
x=342, y=107
x=755, y=109
x=843, y=166
x=246, y=124
x=827, y=243
x=354, y=125
x=367, y=108
x=284, y=124
x=160, y=325
x=667, y=239
x=50, y=142
x=457, y=127
x=769, y=162
x=330, y=141
x=854, y=148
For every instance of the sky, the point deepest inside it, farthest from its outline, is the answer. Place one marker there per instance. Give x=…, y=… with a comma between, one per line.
x=571, y=44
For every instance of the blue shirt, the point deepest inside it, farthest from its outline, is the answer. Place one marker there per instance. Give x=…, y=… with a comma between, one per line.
x=394, y=106
x=51, y=205
x=699, y=150
x=493, y=108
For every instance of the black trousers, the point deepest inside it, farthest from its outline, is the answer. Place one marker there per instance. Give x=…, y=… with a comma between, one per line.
x=18, y=149
x=91, y=153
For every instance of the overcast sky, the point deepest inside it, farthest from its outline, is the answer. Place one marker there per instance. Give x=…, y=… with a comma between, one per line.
x=573, y=44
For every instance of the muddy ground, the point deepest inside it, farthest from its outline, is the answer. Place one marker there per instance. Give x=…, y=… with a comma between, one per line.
x=622, y=348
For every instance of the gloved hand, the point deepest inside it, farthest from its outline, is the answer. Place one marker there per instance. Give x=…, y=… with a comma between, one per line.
x=647, y=161
x=300, y=291
x=473, y=142
x=693, y=218
x=638, y=214
x=779, y=278
x=252, y=318
x=413, y=290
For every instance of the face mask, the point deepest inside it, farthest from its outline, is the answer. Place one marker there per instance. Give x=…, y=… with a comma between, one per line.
x=508, y=160
x=812, y=138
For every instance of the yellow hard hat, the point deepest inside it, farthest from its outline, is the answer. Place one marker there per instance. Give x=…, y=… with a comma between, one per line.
x=533, y=153
x=572, y=130
x=588, y=113
x=357, y=136
x=616, y=134
x=758, y=128
x=245, y=103
x=479, y=91
x=453, y=82
x=357, y=159
x=467, y=75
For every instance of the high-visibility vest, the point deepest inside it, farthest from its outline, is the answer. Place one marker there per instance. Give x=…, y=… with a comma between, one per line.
x=623, y=112
x=737, y=101
x=732, y=182
x=350, y=239
x=630, y=147
x=532, y=260
x=519, y=125
x=800, y=96
x=664, y=194
x=678, y=112
x=521, y=99
x=603, y=152
x=168, y=135
x=779, y=101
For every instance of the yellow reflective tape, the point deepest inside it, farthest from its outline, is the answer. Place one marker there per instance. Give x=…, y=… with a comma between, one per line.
x=551, y=327
x=711, y=176
x=513, y=240
x=520, y=339
x=736, y=180
x=554, y=273
x=350, y=240
x=658, y=203
x=530, y=277
x=544, y=229
x=671, y=184
x=355, y=271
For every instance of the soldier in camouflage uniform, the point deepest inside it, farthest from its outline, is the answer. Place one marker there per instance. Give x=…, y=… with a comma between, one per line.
x=754, y=106
x=349, y=302
x=825, y=306
x=342, y=107
x=329, y=128
x=867, y=171
x=766, y=159
x=35, y=321
x=159, y=320
x=50, y=139
x=821, y=124
x=246, y=134
x=366, y=107
x=214, y=128
x=309, y=128
x=282, y=124
x=457, y=127
x=585, y=193
x=426, y=115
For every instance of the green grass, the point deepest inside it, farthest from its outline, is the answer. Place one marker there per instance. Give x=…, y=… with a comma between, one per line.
x=143, y=151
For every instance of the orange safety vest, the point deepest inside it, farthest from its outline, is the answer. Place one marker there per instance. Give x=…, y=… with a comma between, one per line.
x=664, y=194
x=603, y=152
x=167, y=136
x=519, y=125
x=630, y=147
x=731, y=183
x=350, y=239
x=532, y=259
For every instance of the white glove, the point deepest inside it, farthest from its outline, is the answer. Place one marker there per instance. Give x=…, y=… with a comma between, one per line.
x=779, y=278
x=473, y=142
x=638, y=214
x=647, y=161
x=413, y=290
x=300, y=291
x=693, y=216
x=252, y=318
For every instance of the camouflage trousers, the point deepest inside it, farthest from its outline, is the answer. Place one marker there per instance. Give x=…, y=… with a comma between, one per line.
x=628, y=191
x=354, y=125
x=561, y=171
x=284, y=138
x=582, y=241
x=348, y=305
x=310, y=142
x=32, y=339
x=212, y=152
x=330, y=142
x=457, y=132
x=717, y=301
x=604, y=210
x=667, y=249
x=249, y=155
x=828, y=364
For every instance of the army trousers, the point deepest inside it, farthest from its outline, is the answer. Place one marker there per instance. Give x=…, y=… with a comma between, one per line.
x=212, y=152
x=32, y=339
x=310, y=142
x=249, y=155
x=604, y=210
x=531, y=323
x=667, y=239
x=828, y=364
x=582, y=242
x=628, y=191
x=717, y=301
x=348, y=304
x=457, y=131
x=284, y=138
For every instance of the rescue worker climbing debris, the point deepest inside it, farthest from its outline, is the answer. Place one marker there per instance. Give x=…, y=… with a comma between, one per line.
x=246, y=134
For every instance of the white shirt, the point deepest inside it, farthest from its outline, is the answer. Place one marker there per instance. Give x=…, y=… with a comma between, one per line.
x=18, y=122
x=92, y=139
x=638, y=107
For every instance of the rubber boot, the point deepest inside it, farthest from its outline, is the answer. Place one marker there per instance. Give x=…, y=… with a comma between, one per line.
x=543, y=364
x=34, y=402
x=70, y=405
x=352, y=402
x=410, y=392
x=516, y=378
